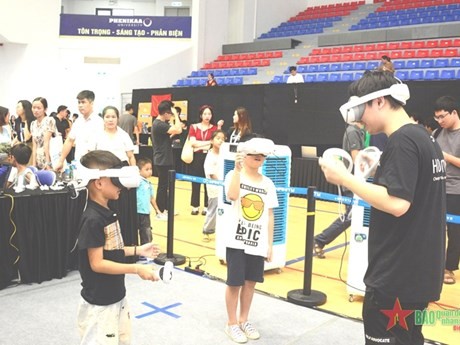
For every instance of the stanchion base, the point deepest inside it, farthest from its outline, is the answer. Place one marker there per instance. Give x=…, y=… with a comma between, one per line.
x=314, y=299
x=176, y=259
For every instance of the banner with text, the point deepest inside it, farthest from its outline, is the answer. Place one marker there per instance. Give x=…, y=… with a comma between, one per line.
x=139, y=26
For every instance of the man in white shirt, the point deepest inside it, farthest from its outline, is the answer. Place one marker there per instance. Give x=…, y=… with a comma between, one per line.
x=294, y=77
x=84, y=130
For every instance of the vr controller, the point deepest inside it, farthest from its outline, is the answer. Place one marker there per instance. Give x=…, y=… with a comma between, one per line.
x=123, y=177
x=257, y=146
x=366, y=160
x=166, y=272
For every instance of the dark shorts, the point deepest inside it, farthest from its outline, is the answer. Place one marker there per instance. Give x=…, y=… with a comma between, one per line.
x=376, y=322
x=242, y=267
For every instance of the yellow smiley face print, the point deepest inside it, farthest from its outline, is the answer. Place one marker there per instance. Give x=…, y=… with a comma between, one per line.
x=252, y=206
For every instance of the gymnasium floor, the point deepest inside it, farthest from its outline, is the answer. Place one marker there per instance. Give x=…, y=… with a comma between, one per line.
x=190, y=310
x=327, y=276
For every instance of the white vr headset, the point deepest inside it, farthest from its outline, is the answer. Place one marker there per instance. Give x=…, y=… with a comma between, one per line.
x=122, y=177
x=353, y=110
x=257, y=146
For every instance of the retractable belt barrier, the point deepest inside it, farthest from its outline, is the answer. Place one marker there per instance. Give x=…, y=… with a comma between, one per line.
x=450, y=218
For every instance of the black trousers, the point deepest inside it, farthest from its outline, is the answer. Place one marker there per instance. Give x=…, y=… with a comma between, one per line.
x=196, y=168
x=376, y=322
x=453, y=234
x=162, y=189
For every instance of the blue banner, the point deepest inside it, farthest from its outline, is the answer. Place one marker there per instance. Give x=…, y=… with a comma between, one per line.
x=450, y=218
x=121, y=26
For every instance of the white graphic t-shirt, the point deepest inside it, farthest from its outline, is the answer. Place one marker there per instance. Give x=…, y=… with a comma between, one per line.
x=250, y=229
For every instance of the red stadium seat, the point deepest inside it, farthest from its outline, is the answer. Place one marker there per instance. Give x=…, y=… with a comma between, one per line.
x=435, y=53
x=445, y=43
x=316, y=51
x=406, y=45
x=456, y=42
x=324, y=58
x=358, y=48
x=336, y=50
x=396, y=54
x=304, y=60
x=335, y=58
x=278, y=54
x=358, y=56
x=325, y=51
x=408, y=54
x=314, y=59
x=422, y=53
x=418, y=44
x=371, y=56
x=450, y=52
x=369, y=47
x=432, y=44
x=347, y=49
x=393, y=45
x=381, y=46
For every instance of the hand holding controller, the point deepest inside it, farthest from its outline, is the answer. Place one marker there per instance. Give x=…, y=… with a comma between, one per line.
x=366, y=161
x=166, y=272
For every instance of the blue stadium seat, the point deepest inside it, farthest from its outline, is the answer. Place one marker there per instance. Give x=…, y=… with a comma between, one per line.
x=220, y=81
x=312, y=68
x=399, y=64
x=285, y=78
x=229, y=81
x=244, y=71
x=347, y=76
x=458, y=74
x=357, y=75
x=252, y=71
x=194, y=74
x=322, y=77
x=217, y=73
x=413, y=64
x=336, y=67
x=416, y=75
x=234, y=71
x=448, y=74
x=347, y=66
x=203, y=81
x=427, y=63
x=323, y=68
x=431, y=74
x=455, y=63
x=277, y=79
x=180, y=82
x=237, y=81
x=225, y=72
x=359, y=66
x=334, y=77
x=403, y=75
x=195, y=82
x=203, y=73
x=441, y=63
x=310, y=78
x=372, y=65
x=302, y=69
x=187, y=82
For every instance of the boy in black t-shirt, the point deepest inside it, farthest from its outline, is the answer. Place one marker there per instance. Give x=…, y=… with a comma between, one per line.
x=103, y=313
x=408, y=214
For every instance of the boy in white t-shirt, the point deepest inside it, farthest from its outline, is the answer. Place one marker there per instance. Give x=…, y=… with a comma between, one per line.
x=250, y=239
x=21, y=175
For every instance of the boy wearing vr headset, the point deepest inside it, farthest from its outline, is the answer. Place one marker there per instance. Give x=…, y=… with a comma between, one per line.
x=408, y=213
x=103, y=312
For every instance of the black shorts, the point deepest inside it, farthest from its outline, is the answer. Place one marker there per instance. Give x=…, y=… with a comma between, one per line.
x=376, y=322
x=242, y=266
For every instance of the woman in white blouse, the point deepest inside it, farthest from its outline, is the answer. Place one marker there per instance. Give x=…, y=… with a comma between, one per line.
x=115, y=139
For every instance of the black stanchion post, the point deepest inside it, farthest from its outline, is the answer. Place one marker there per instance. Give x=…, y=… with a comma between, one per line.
x=177, y=259
x=306, y=296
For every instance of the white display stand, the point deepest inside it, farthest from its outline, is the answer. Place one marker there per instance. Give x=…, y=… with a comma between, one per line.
x=278, y=168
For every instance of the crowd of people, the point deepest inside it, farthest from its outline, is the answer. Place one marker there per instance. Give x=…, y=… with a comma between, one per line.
x=418, y=169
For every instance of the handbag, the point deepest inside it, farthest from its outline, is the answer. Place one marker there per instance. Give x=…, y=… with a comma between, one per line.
x=187, y=152
x=55, y=147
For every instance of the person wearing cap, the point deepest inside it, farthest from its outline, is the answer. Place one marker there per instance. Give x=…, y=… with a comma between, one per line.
x=294, y=77
x=62, y=124
x=406, y=244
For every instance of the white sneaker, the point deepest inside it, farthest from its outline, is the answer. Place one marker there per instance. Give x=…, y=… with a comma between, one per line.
x=236, y=334
x=162, y=216
x=250, y=331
